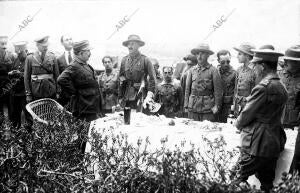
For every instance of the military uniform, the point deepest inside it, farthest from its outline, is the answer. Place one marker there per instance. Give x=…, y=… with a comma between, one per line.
x=203, y=91
x=17, y=95
x=6, y=61
x=170, y=96
x=292, y=110
x=245, y=81
x=40, y=76
x=133, y=70
x=109, y=87
x=262, y=135
x=228, y=82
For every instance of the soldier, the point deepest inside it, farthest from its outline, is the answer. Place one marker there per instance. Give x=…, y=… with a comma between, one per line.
x=108, y=82
x=290, y=77
x=135, y=68
x=169, y=95
x=6, y=61
x=203, y=92
x=17, y=93
x=245, y=79
x=228, y=75
x=41, y=72
x=191, y=61
x=262, y=137
x=158, y=76
x=78, y=80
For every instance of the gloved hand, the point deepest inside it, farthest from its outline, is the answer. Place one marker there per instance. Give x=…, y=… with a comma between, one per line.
x=148, y=99
x=215, y=109
x=28, y=98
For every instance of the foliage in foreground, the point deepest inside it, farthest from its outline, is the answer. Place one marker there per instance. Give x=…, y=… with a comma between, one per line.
x=48, y=159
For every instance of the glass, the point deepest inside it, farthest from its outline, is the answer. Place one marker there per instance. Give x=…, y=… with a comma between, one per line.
x=127, y=112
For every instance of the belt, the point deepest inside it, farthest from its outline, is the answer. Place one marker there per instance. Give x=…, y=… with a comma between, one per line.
x=42, y=76
x=201, y=93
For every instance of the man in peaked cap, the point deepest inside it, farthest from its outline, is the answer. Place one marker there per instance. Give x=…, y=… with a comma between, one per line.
x=79, y=82
x=41, y=72
x=203, y=91
x=136, y=68
x=17, y=93
x=6, y=61
x=262, y=134
x=245, y=79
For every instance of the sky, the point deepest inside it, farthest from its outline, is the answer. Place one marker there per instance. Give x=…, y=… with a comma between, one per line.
x=170, y=29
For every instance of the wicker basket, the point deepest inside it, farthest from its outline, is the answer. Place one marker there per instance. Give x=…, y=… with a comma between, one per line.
x=45, y=110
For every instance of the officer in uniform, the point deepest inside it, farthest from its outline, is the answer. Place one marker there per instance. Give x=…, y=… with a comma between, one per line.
x=262, y=134
x=6, y=61
x=228, y=75
x=17, y=93
x=290, y=77
x=169, y=94
x=41, y=72
x=203, y=92
x=136, y=74
x=245, y=79
x=108, y=82
x=79, y=81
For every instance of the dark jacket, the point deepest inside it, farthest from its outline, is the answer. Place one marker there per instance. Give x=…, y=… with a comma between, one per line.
x=6, y=62
x=62, y=63
x=78, y=80
x=228, y=82
x=19, y=88
x=260, y=121
x=203, y=89
x=35, y=84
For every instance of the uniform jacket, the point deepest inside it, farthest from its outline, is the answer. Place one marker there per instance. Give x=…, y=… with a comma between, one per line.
x=6, y=61
x=170, y=96
x=203, y=89
x=292, y=110
x=260, y=121
x=41, y=87
x=109, y=88
x=19, y=88
x=228, y=83
x=244, y=83
x=183, y=78
x=78, y=80
x=62, y=63
x=132, y=71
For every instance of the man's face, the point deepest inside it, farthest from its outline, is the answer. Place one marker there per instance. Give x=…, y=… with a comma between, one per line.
x=85, y=55
x=107, y=63
x=167, y=74
x=224, y=61
x=42, y=48
x=242, y=58
x=202, y=57
x=67, y=42
x=133, y=47
x=292, y=66
x=3, y=44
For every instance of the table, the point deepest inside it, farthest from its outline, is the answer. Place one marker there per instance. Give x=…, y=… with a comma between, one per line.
x=156, y=128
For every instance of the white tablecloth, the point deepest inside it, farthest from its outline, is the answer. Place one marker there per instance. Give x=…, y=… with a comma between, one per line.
x=156, y=128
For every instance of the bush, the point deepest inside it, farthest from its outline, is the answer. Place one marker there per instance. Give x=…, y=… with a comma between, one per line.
x=48, y=159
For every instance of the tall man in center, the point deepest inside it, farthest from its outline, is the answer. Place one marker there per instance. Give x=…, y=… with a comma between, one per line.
x=135, y=68
x=203, y=92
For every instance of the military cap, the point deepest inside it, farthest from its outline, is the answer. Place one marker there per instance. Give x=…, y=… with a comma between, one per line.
x=245, y=48
x=154, y=61
x=133, y=38
x=267, y=46
x=202, y=48
x=191, y=57
x=42, y=40
x=266, y=55
x=81, y=46
x=20, y=45
x=292, y=53
x=3, y=38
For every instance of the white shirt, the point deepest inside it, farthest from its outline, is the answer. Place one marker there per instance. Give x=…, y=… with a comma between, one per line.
x=67, y=55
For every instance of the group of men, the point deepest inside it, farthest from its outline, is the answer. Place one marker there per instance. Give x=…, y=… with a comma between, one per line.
x=263, y=99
